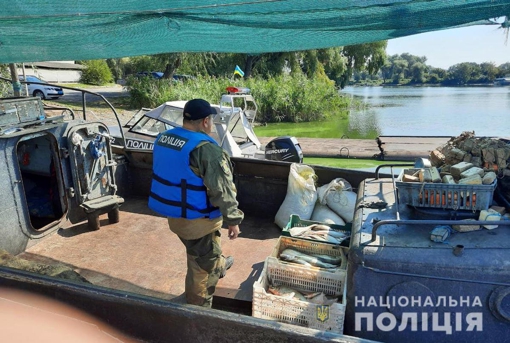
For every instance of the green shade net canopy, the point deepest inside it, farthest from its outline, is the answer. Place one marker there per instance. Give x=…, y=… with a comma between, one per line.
x=42, y=30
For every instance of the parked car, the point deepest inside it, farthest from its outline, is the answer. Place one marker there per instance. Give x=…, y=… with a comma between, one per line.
x=154, y=74
x=42, y=91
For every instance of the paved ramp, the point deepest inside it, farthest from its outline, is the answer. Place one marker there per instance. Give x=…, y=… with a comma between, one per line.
x=409, y=147
x=395, y=148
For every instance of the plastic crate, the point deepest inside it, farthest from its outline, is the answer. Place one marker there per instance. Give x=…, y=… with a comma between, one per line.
x=296, y=221
x=310, y=247
x=303, y=313
x=442, y=195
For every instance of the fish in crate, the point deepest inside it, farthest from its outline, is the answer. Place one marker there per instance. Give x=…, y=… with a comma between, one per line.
x=319, y=232
x=312, y=260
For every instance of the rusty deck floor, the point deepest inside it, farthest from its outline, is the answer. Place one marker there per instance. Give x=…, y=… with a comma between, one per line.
x=141, y=255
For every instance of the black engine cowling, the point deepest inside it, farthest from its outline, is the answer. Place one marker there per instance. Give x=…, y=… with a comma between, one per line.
x=284, y=148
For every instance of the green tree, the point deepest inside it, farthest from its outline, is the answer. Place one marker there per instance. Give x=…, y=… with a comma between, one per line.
x=221, y=64
x=436, y=75
x=504, y=70
x=399, y=70
x=434, y=78
x=335, y=64
x=387, y=70
x=411, y=61
x=186, y=63
x=458, y=74
x=368, y=56
x=224, y=64
x=196, y=64
x=440, y=72
x=142, y=63
x=418, y=71
x=96, y=73
x=118, y=67
x=476, y=72
x=265, y=65
x=310, y=63
x=488, y=71
x=273, y=64
x=331, y=63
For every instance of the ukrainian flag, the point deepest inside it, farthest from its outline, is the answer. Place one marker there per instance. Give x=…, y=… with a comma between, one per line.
x=238, y=71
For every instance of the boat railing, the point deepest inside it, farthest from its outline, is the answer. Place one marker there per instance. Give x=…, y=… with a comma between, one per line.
x=83, y=92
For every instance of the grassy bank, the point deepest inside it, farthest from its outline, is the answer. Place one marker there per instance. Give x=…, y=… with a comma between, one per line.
x=285, y=98
x=334, y=127
x=85, y=86
x=347, y=163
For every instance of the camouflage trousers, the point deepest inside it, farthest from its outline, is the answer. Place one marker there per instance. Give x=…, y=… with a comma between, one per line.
x=205, y=264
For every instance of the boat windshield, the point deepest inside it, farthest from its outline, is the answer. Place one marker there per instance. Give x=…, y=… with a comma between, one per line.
x=242, y=111
x=237, y=130
x=150, y=126
x=172, y=115
x=168, y=118
x=239, y=126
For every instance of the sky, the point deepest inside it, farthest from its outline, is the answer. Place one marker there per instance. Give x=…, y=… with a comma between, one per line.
x=480, y=43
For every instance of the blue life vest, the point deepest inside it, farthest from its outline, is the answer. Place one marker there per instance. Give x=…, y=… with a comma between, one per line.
x=176, y=191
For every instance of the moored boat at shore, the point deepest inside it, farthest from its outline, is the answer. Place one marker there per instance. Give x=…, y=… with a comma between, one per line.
x=502, y=81
x=233, y=130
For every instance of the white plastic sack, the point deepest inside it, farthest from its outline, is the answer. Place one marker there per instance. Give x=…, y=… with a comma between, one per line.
x=322, y=213
x=343, y=203
x=338, y=184
x=339, y=197
x=301, y=195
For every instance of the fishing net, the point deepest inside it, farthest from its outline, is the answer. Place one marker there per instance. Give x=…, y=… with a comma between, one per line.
x=43, y=30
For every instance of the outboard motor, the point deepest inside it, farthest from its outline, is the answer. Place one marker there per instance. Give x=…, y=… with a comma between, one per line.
x=284, y=148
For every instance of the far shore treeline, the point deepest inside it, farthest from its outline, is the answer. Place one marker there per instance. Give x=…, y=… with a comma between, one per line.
x=407, y=69
x=288, y=87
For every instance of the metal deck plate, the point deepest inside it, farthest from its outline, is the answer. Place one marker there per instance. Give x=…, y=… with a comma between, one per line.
x=418, y=236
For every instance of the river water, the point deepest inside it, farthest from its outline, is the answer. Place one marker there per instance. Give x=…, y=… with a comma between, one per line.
x=430, y=111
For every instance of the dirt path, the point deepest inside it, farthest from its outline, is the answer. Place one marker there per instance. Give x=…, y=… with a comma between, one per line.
x=108, y=92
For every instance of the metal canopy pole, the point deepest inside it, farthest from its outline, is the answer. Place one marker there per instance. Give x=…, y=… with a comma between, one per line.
x=16, y=85
x=24, y=79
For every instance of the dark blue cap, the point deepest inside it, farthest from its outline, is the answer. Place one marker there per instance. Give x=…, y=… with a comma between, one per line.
x=197, y=109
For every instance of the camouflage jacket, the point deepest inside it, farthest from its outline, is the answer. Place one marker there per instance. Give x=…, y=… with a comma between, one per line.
x=213, y=165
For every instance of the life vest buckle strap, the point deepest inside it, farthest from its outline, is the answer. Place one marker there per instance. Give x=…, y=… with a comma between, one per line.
x=171, y=184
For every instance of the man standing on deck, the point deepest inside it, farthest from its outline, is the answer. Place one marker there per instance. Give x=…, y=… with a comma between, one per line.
x=192, y=185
